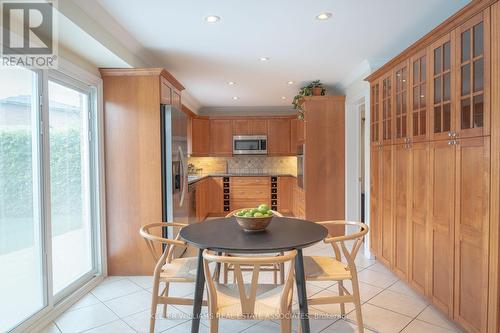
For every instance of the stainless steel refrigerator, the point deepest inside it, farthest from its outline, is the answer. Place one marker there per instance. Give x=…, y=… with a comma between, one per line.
x=175, y=201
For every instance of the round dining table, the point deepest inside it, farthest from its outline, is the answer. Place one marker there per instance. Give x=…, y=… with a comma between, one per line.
x=225, y=235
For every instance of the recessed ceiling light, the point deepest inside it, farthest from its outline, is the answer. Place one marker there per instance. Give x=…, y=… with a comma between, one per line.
x=235, y=98
x=290, y=82
x=323, y=16
x=283, y=97
x=231, y=83
x=212, y=19
x=264, y=59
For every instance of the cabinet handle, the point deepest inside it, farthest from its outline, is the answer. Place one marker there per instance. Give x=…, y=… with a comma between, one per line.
x=452, y=134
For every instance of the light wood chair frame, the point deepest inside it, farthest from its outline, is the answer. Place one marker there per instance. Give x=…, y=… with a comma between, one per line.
x=154, y=244
x=339, y=247
x=249, y=298
x=275, y=268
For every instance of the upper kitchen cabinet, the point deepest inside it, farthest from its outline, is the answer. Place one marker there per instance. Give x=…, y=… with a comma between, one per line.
x=419, y=118
x=442, y=95
x=258, y=127
x=165, y=91
x=278, y=137
x=250, y=127
x=473, y=77
x=221, y=137
x=199, y=136
x=375, y=123
x=401, y=118
x=387, y=114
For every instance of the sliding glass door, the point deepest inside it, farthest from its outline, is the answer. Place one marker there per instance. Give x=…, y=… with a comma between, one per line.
x=70, y=185
x=22, y=278
x=48, y=192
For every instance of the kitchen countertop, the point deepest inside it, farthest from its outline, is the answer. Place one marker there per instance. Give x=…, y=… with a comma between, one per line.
x=194, y=178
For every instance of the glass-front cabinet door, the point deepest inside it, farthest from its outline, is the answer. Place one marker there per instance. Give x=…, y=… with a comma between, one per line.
x=473, y=76
x=375, y=114
x=401, y=133
x=386, y=101
x=442, y=94
x=418, y=92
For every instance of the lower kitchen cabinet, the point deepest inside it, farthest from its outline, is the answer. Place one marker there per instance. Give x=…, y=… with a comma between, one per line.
x=402, y=155
x=430, y=222
x=216, y=195
x=419, y=202
x=248, y=192
x=386, y=218
x=472, y=210
x=375, y=199
x=202, y=199
x=441, y=224
x=285, y=194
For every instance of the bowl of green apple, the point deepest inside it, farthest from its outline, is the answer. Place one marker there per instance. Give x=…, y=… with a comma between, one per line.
x=254, y=219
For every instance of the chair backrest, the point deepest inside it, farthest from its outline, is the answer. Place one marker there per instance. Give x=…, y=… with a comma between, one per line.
x=155, y=242
x=247, y=300
x=339, y=242
x=278, y=214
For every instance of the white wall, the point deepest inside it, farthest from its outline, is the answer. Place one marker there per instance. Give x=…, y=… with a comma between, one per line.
x=357, y=90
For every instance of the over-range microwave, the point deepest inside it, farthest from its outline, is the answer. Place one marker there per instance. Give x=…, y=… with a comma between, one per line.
x=249, y=145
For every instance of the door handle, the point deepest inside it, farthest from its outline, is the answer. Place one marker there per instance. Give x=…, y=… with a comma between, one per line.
x=183, y=176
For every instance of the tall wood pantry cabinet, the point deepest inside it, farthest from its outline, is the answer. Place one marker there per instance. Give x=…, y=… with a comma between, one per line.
x=435, y=166
x=132, y=98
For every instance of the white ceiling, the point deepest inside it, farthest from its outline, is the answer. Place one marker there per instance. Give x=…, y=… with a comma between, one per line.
x=205, y=56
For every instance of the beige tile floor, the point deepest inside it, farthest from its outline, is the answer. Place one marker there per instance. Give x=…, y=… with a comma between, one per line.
x=121, y=304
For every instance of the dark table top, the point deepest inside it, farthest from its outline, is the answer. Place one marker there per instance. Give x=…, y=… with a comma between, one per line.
x=225, y=234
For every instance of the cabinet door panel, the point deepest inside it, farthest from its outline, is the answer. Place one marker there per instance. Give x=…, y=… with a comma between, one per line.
x=442, y=68
x=375, y=117
x=473, y=75
x=387, y=110
x=401, y=118
x=441, y=220
x=200, y=137
x=472, y=232
x=386, y=206
x=165, y=92
x=419, y=118
x=221, y=137
x=258, y=127
x=241, y=127
x=278, y=136
x=401, y=188
x=419, y=187
x=375, y=200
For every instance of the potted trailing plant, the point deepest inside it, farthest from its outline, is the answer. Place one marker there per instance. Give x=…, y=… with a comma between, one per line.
x=315, y=88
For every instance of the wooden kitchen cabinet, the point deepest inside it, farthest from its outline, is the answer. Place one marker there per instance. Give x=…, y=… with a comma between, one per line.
x=449, y=171
x=216, y=195
x=285, y=194
x=131, y=99
x=200, y=137
x=419, y=203
x=241, y=127
x=278, y=137
x=375, y=199
x=250, y=127
x=202, y=199
x=386, y=217
x=471, y=231
x=221, y=137
x=401, y=189
x=248, y=192
x=258, y=127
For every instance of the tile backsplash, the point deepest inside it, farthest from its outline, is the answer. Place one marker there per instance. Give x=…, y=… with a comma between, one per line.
x=246, y=164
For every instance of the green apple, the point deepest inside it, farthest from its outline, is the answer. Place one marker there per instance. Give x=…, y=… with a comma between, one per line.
x=248, y=215
x=263, y=208
x=254, y=210
x=258, y=214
